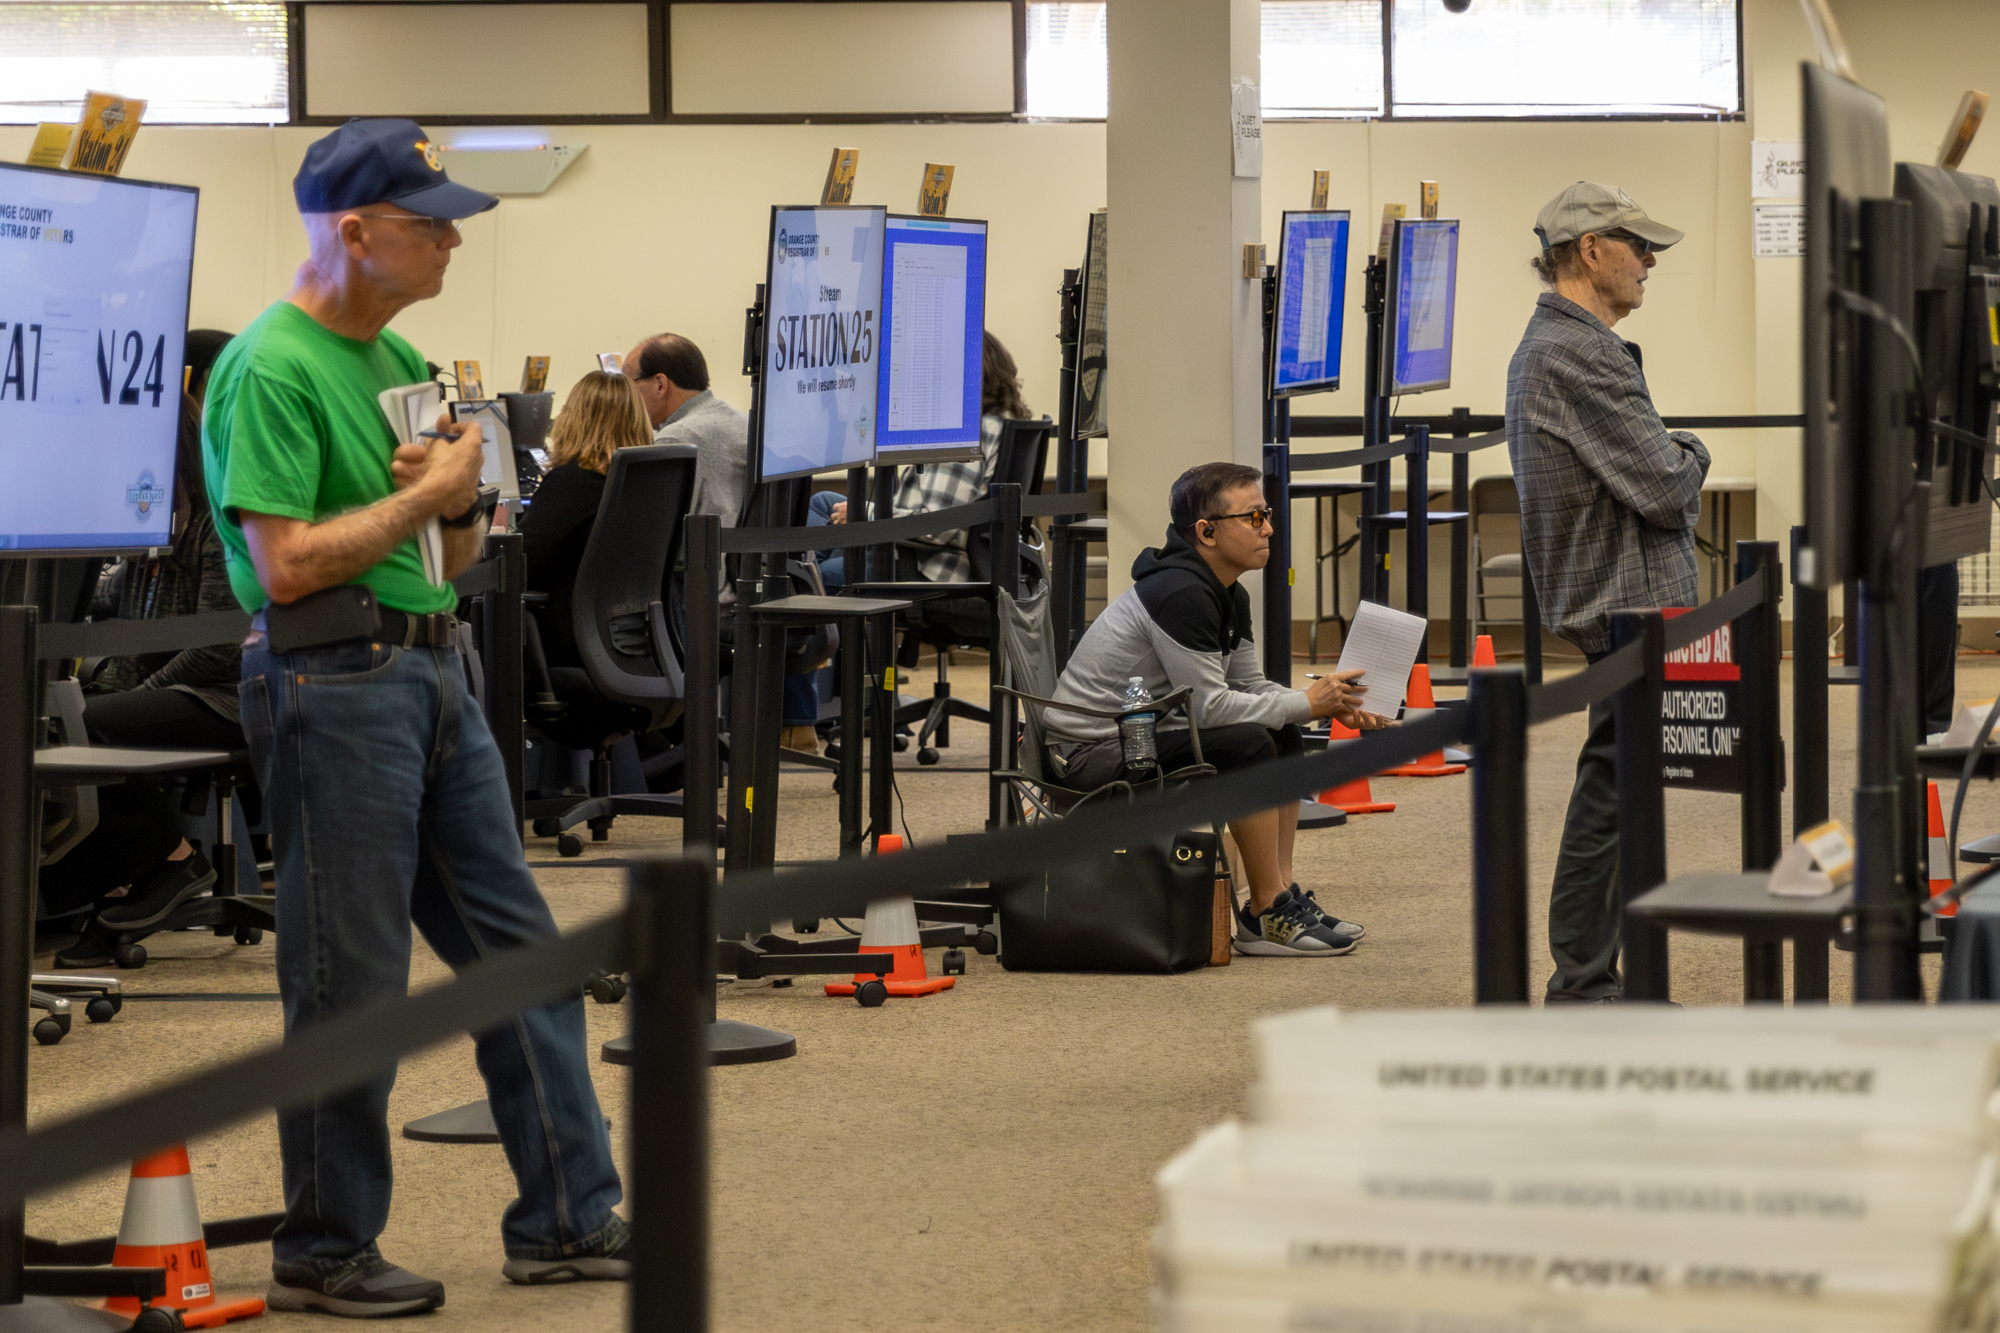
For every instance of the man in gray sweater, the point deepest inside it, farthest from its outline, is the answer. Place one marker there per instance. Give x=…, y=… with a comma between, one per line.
x=672, y=376
x=1185, y=621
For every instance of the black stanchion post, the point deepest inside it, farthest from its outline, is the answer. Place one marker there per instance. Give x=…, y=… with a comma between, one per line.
x=743, y=726
x=1278, y=568
x=1461, y=543
x=1642, y=807
x=1006, y=548
x=1072, y=477
x=1759, y=650
x=20, y=677
x=881, y=635
x=1809, y=721
x=704, y=659
x=881, y=558
x=854, y=559
x=1499, y=702
x=1373, y=548
x=506, y=633
x=673, y=946
x=1417, y=533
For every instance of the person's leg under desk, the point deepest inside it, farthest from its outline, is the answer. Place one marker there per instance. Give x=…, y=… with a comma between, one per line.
x=474, y=896
x=1584, y=903
x=340, y=737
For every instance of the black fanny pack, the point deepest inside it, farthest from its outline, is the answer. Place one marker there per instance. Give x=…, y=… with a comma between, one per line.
x=349, y=612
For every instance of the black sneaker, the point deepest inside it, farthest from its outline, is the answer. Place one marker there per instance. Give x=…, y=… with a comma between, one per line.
x=92, y=950
x=154, y=901
x=610, y=1264
x=1286, y=930
x=1353, y=930
x=365, y=1287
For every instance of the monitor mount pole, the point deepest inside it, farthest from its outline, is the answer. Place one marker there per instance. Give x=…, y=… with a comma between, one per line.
x=1887, y=548
x=1278, y=495
x=1072, y=474
x=1374, y=546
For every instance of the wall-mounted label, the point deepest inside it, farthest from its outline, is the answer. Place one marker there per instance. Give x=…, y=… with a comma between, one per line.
x=1778, y=231
x=1777, y=169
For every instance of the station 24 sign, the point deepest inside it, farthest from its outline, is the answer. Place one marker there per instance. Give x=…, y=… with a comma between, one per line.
x=1701, y=722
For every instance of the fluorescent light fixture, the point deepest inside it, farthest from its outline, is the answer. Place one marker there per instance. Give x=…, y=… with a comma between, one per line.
x=512, y=169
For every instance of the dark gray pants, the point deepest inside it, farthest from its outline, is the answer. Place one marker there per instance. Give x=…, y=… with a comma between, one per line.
x=1584, y=907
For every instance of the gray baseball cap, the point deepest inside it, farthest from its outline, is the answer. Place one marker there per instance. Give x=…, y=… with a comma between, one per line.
x=1589, y=206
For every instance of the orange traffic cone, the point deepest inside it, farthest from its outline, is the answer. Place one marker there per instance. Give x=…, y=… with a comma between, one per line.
x=891, y=928
x=1422, y=703
x=162, y=1229
x=1352, y=797
x=1940, y=857
x=1482, y=652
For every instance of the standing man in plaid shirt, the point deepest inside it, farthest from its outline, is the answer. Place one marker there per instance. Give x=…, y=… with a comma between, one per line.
x=1609, y=499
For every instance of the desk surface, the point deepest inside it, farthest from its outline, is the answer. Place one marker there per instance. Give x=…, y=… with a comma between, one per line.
x=91, y=765
x=1740, y=905
x=1729, y=484
x=812, y=607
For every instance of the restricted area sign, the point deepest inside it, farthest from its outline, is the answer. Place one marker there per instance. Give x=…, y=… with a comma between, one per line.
x=1701, y=725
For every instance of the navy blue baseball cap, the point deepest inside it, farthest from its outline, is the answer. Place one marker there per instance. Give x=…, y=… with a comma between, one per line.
x=382, y=162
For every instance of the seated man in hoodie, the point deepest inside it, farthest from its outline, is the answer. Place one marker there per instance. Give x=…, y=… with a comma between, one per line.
x=1185, y=621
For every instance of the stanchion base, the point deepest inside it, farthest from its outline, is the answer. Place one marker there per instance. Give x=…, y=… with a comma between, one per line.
x=729, y=1043
x=1981, y=851
x=471, y=1123
x=1314, y=815
x=39, y=1314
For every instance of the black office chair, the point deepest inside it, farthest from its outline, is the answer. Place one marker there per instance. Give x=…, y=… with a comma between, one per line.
x=632, y=676
x=943, y=621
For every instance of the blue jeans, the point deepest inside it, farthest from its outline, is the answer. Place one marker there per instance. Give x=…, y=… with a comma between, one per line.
x=819, y=514
x=388, y=805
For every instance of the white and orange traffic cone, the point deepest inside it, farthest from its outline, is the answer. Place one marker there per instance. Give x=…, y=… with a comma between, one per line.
x=1421, y=703
x=1352, y=797
x=162, y=1229
x=891, y=928
x=1940, y=854
x=1482, y=652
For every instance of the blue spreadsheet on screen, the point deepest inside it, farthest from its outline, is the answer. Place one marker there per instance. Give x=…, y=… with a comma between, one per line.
x=1312, y=286
x=934, y=319
x=1423, y=295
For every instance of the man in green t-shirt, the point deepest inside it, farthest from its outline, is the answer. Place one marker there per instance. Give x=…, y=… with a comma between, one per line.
x=387, y=798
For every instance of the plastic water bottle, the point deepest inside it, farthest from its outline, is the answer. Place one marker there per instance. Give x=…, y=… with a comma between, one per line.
x=1135, y=731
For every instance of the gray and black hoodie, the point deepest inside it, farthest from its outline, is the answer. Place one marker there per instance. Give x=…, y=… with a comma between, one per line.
x=1177, y=625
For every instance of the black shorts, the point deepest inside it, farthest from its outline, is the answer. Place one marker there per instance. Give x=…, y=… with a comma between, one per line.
x=1225, y=748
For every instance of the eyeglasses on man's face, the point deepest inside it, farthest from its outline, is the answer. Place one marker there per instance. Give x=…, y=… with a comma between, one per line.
x=436, y=228
x=1641, y=247
x=1257, y=518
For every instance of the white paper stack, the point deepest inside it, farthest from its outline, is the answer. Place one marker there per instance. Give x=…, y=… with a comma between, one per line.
x=411, y=410
x=1603, y=1170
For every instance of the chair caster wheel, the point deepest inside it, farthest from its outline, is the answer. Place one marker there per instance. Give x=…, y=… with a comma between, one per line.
x=547, y=828
x=100, y=1010
x=836, y=786
x=129, y=956
x=608, y=990
x=902, y=743
x=247, y=935
x=833, y=749
x=954, y=963
x=48, y=1032
x=569, y=845
x=158, y=1319
x=927, y=756
x=869, y=995
x=806, y=926
x=986, y=942
x=780, y=983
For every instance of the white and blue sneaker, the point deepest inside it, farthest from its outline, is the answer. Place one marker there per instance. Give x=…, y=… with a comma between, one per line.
x=1287, y=930
x=1352, y=930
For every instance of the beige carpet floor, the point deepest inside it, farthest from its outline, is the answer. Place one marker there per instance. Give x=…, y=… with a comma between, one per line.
x=979, y=1159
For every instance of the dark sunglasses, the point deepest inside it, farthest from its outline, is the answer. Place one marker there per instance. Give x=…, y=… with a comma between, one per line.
x=1257, y=517
x=1641, y=247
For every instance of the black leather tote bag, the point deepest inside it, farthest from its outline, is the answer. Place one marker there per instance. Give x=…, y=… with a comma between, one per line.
x=1142, y=909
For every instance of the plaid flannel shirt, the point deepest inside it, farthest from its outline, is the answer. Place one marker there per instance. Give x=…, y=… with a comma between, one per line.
x=929, y=486
x=1609, y=496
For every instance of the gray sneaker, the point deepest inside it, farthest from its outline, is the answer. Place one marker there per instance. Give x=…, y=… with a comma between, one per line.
x=1287, y=930
x=611, y=1265
x=1353, y=930
x=364, y=1287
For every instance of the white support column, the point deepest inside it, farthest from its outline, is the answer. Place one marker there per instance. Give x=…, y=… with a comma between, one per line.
x=1185, y=326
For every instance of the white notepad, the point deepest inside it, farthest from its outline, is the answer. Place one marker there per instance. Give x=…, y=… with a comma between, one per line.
x=1383, y=642
x=410, y=409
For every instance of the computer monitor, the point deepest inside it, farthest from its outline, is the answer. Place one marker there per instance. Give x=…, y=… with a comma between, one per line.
x=497, y=439
x=822, y=336
x=1090, y=365
x=1847, y=161
x=934, y=321
x=1955, y=219
x=1312, y=289
x=1422, y=299
x=94, y=275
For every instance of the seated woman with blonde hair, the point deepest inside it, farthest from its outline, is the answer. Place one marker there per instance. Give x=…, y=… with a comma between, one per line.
x=602, y=414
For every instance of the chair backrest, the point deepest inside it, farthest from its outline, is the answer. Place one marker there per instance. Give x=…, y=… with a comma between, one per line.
x=1494, y=497
x=1020, y=459
x=616, y=608
x=1028, y=646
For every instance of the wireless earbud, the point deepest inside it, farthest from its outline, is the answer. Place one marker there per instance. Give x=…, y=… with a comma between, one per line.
x=1208, y=530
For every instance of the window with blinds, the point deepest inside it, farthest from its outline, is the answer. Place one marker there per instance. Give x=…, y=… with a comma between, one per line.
x=1567, y=58
x=194, y=61
x=1502, y=58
